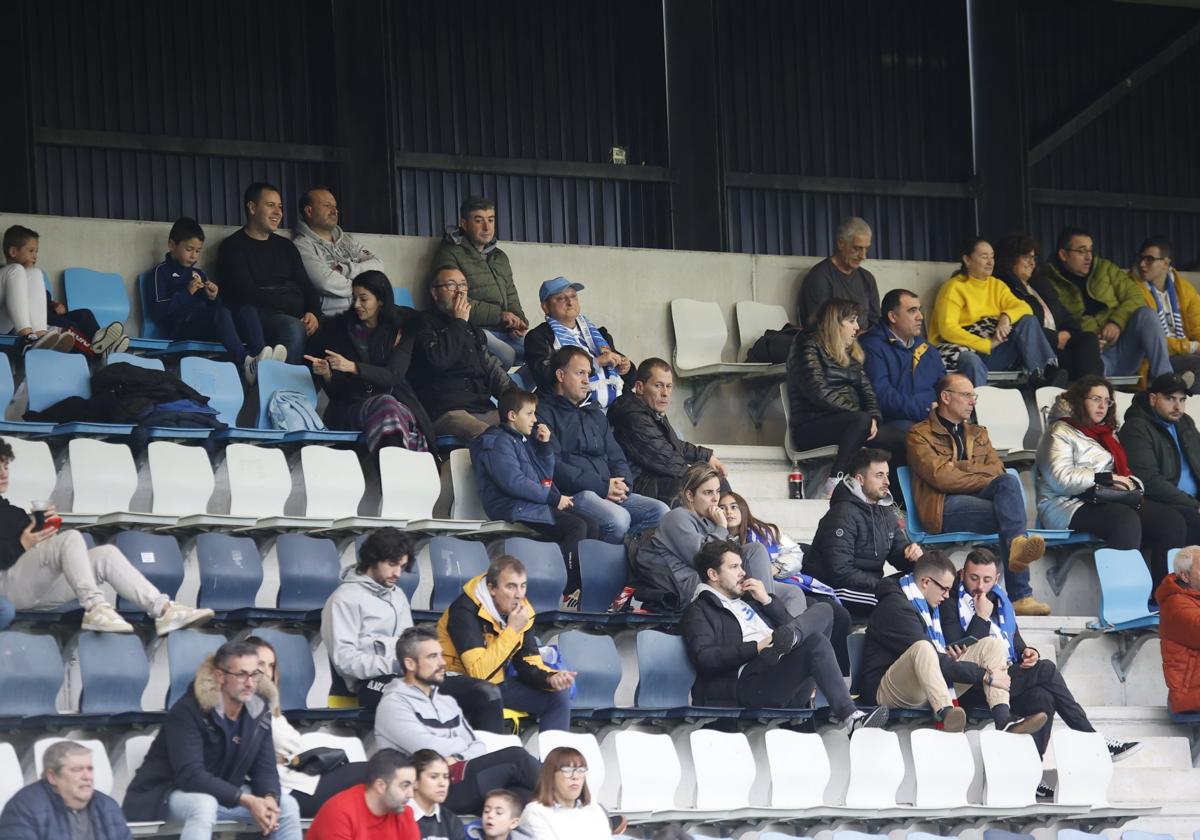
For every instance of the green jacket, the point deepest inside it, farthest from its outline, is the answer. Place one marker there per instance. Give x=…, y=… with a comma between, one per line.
x=1108, y=284
x=1153, y=456
x=490, y=286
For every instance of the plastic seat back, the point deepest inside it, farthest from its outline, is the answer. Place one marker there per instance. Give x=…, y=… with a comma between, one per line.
x=410, y=485
x=31, y=673
x=150, y=327
x=52, y=377
x=754, y=319
x=349, y=744
x=259, y=480
x=597, y=664
x=547, y=575
x=1125, y=585
x=231, y=571
x=402, y=296
x=665, y=674
x=333, y=482
x=1085, y=769
x=1011, y=769
x=1124, y=400
x=11, y=777
x=724, y=769
x=1003, y=412
x=219, y=381
x=31, y=475
x=876, y=769
x=7, y=386
x=308, y=571
x=700, y=333
x=643, y=770
x=603, y=570
x=113, y=671
x=943, y=767
x=466, y=503
x=186, y=649
x=295, y=666
x=181, y=478
x=544, y=742
x=136, y=361
x=279, y=376
x=103, y=475
x=793, y=769
x=156, y=556
x=453, y=562
x=102, y=779
x=915, y=529
x=100, y=291
x=1044, y=398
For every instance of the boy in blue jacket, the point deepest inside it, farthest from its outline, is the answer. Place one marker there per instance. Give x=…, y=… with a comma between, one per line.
x=514, y=467
x=189, y=306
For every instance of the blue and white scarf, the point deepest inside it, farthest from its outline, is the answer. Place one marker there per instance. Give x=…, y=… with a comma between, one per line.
x=929, y=615
x=806, y=582
x=605, y=382
x=1172, y=323
x=1003, y=627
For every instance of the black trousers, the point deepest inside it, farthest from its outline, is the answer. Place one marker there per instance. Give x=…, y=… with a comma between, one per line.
x=1155, y=528
x=1081, y=356
x=849, y=430
x=333, y=782
x=512, y=767
x=568, y=530
x=479, y=700
x=839, y=631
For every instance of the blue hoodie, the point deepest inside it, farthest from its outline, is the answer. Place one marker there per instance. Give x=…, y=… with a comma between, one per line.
x=904, y=394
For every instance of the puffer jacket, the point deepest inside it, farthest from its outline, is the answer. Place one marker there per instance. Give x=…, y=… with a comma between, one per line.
x=657, y=456
x=490, y=286
x=817, y=386
x=1107, y=284
x=1179, y=630
x=854, y=540
x=37, y=812
x=360, y=624
x=1068, y=462
x=451, y=368
x=515, y=476
x=936, y=472
x=1153, y=455
x=1189, y=312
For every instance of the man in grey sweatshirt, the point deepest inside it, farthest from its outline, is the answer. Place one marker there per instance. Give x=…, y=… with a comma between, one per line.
x=332, y=257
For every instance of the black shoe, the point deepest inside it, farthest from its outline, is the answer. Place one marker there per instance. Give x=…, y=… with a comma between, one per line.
x=1121, y=749
x=1045, y=792
x=783, y=640
x=1025, y=725
x=877, y=718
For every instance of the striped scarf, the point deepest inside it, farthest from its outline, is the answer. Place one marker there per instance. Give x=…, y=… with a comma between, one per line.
x=1004, y=625
x=806, y=582
x=929, y=615
x=1172, y=321
x=605, y=383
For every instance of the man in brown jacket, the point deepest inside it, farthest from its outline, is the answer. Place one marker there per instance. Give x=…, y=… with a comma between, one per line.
x=958, y=478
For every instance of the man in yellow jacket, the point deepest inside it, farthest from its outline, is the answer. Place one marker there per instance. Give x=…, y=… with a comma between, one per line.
x=487, y=633
x=1175, y=300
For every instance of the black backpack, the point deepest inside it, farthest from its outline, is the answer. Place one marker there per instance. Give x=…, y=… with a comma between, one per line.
x=774, y=345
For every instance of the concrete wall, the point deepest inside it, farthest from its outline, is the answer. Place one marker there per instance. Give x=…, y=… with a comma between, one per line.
x=628, y=290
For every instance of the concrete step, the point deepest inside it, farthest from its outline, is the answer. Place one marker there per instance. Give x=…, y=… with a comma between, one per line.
x=757, y=484
x=1154, y=785
x=1135, y=723
x=796, y=518
x=1178, y=820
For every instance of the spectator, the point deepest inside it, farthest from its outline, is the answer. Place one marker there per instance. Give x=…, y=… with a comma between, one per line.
x=588, y=463
x=188, y=304
x=1107, y=302
x=1086, y=483
x=515, y=469
x=332, y=257
x=453, y=373
x=213, y=759
x=23, y=286
x=748, y=651
x=363, y=619
x=416, y=714
x=472, y=249
x=1174, y=300
x=787, y=566
x=367, y=352
x=565, y=326
x=487, y=632
x=832, y=401
x=977, y=607
x=311, y=791
x=264, y=270
x=663, y=568
x=979, y=325
x=841, y=276
x=958, y=478
x=562, y=806
x=63, y=804
x=1162, y=444
x=898, y=361
x=1077, y=349
x=377, y=809
x=1178, y=597
x=43, y=568
x=429, y=796
x=656, y=455
x=860, y=533
x=501, y=815
x=907, y=663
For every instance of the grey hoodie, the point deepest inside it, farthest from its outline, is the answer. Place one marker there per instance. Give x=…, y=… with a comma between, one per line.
x=332, y=265
x=408, y=719
x=360, y=624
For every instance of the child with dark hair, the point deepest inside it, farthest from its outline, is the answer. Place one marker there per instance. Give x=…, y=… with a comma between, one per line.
x=189, y=304
x=500, y=816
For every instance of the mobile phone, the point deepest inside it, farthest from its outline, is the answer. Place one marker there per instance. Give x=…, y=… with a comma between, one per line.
x=965, y=641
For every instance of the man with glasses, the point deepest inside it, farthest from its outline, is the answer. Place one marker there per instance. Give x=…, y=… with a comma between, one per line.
x=1174, y=300
x=214, y=759
x=907, y=663
x=958, y=478
x=903, y=367
x=453, y=373
x=842, y=276
x=1107, y=302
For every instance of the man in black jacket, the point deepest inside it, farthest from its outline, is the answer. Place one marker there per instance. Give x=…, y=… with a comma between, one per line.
x=214, y=758
x=657, y=457
x=752, y=652
x=453, y=373
x=907, y=663
x=859, y=534
x=975, y=607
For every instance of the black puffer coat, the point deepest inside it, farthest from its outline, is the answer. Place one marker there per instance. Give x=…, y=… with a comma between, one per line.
x=817, y=386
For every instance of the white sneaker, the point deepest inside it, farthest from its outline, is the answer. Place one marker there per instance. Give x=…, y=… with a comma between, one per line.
x=178, y=616
x=102, y=618
x=250, y=369
x=108, y=337
x=279, y=353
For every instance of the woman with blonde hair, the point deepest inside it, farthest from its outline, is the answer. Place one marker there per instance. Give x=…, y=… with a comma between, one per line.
x=562, y=807
x=830, y=398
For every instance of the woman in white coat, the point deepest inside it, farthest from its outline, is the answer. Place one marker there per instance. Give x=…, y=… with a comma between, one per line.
x=562, y=807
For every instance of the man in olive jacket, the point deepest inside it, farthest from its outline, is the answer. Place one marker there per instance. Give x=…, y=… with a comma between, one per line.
x=1108, y=302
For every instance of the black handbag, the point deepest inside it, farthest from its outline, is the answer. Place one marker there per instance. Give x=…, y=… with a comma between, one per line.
x=319, y=760
x=1101, y=494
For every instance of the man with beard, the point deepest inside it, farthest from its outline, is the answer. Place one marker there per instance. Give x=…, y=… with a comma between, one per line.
x=377, y=809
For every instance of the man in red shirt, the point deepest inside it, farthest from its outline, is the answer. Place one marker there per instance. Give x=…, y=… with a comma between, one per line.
x=374, y=810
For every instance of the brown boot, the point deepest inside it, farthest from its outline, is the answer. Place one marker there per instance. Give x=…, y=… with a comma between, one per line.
x=1030, y=606
x=1023, y=551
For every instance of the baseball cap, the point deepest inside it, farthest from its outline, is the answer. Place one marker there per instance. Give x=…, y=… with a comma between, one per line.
x=558, y=284
x=1172, y=383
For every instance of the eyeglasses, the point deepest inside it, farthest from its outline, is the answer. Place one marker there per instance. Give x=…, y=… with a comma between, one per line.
x=1146, y=258
x=968, y=395
x=945, y=589
x=1104, y=401
x=455, y=286
x=242, y=676
x=1083, y=252
x=572, y=772
x=1028, y=258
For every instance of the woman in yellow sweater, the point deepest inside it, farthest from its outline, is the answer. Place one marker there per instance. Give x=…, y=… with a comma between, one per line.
x=979, y=325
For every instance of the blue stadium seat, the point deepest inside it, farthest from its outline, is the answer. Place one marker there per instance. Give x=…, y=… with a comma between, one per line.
x=597, y=664
x=139, y=361
x=231, y=572
x=186, y=649
x=31, y=673
x=308, y=571
x=156, y=556
x=113, y=673
x=408, y=581
x=158, y=432
x=857, y=835
x=604, y=570
x=665, y=677
x=454, y=562
x=151, y=329
x=104, y=294
x=52, y=377
x=402, y=297
x=1076, y=834
x=294, y=666
x=1125, y=588
x=1133, y=834
x=275, y=376
x=1001, y=834
x=547, y=573
x=222, y=384
x=7, y=389
x=918, y=533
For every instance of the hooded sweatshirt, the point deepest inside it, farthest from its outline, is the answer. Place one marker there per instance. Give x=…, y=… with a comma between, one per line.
x=360, y=624
x=332, y=265
x=408, y=720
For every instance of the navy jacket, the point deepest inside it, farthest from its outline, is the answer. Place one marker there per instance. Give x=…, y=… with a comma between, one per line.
x=714, y=644
x=903, y=394
x=585, y=451
x=514, y=474
x=37, y=812
x=171, y=303
x=191, y=749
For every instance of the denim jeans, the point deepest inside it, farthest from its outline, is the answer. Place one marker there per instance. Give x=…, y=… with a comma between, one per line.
x=998, y=507
x=286, y=330
x=1142, y=338
x=552, y=708
x=199, y=811
x=235, y=325
x=615, y=520
x=510, y=351
x=1026, y=349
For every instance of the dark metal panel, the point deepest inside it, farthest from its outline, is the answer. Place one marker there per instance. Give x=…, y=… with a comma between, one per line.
x=1118, y=232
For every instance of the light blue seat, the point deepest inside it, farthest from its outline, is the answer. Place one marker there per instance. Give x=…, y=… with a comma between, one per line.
x=104, y=294
x=923, y=835
x=152, y=329
x=308, y=571
x=113, y=672
x=597, y=666
x=7, y=389
x=139, y=361
x=158, y=432
x=603, y=570
x=1133, y=834
x=294, y=666
x=1125, y=588
x=221, y=383
x=454, y=562
x=186, y=649
x=31, y=675
x=1076, y=834
x=231, y=572
x=547, y=575
x=917, y=531
x=858, y=835
x=1001, y=834
x=402, y=297
x=275, y=376
x=156, y=556
x=52, y=377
